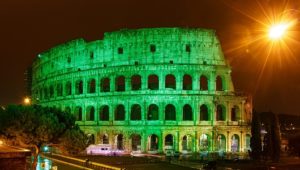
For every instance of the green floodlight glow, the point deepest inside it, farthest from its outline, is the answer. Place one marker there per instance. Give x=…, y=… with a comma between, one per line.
x=157, y=86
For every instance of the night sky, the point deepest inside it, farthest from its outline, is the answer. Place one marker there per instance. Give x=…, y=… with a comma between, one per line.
x=269, y=71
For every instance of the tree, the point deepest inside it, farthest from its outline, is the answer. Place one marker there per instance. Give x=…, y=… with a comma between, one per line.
x=272, y=138
x=34, y=126
x=255, y=141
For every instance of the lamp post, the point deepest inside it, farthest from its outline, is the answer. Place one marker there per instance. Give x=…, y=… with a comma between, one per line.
x=27, y=101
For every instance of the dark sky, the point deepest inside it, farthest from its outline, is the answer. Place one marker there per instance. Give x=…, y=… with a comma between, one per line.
x=271, y=75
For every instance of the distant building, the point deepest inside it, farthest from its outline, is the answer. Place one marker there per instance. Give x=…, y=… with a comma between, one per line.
x=148, y=90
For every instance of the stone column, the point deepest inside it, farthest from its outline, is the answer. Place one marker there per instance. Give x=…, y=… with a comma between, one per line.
x=179, y=81
x=112, y=83
x=176, y=141
x=160, y=142
x=241, y=143
x=212, y=82
x=228, y=141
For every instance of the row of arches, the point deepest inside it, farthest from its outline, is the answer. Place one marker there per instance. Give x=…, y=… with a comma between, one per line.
x=120, y=85
x=205, y=142
x=152, y=113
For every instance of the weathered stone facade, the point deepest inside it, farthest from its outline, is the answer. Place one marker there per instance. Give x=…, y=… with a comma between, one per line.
x=147, y=89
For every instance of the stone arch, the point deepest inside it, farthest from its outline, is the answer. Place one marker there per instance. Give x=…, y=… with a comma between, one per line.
x=170, y=81
x=187, y=112
x=204, y=142
x=79, y=87
x=153, y=82
x=187, y=143
x=235, y=143
x=204, y=114
x=136, y=141
x=104, y=139
x=90, y=113
x=78, y=113
x=152, y=112
x=235, y=113
x=136, y=112
x=104, y=113
x=68, y=88
x=59, y=89
x=91, y=86
x=119, y=140
x=221, y=142
x=219, y=83
x=203, y=83
x=120, y=112
x=187, y=83
x=51, y=91
x=120, y=83
x=169, y=140
x=221, y=113
x=105, y=84
x=153, y=142
x=136, y=82
x=170, y=112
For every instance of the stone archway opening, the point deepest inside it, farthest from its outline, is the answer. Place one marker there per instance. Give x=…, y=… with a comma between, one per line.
x=169, y=141
x=204, y=142
x=136, y=142
x=235, y=143
x=120, y=142
x=153, y=142
x=187, y=143
x=105, y=139
x=221, y=143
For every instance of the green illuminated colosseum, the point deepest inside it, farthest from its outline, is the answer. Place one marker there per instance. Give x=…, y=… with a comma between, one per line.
x=147, y=90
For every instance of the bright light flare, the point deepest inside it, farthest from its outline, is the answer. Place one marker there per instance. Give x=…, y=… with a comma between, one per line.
x=27, y=100
x=277, y=31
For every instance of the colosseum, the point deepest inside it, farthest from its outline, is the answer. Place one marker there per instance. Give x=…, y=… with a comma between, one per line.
x=147, y=90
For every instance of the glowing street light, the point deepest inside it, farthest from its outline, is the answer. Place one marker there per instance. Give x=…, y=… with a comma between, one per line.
x=27, y=101
x=277, y=31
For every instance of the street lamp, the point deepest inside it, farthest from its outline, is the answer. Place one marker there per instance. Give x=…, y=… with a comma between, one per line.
x=277, y=31
x=27, y=101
